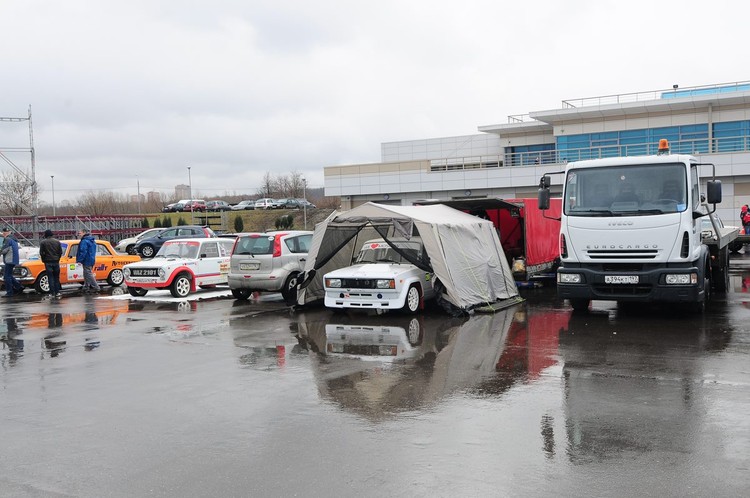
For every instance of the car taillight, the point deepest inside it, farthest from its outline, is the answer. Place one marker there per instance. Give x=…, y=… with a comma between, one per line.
x=277, y=246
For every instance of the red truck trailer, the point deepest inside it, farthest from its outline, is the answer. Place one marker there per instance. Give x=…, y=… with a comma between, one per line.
x=530, y=237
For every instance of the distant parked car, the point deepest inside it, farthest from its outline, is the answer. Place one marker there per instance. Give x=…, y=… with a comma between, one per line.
x=268, y=262
x=148, y=247
x=195, y=205
x=242, y=205
x=305, y=204
x=173, y=208
x=265, y=203
x=286, y=204
x=128, y=245
x=380, y=279
x=181, y=265
x=217, y=206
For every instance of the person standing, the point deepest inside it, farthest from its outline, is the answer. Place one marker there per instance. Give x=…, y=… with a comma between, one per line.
x=86, y=255
x=10, y=259
x=50, y=252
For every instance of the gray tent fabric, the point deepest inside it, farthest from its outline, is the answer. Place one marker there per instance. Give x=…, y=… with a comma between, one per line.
x=464, y=250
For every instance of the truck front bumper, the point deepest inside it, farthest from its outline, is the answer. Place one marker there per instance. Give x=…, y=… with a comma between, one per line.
x=651, y=285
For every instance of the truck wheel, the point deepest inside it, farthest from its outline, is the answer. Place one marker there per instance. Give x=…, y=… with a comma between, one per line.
x=242, y=294
x=580, y=305
x=42, y=283
x=720, y=273
x=411, y=303
x=180, y=286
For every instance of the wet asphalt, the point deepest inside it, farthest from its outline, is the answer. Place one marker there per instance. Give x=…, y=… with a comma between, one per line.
x=111, y=395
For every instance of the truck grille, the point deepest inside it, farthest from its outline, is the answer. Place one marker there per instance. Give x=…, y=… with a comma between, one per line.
x=622, y=254
x=622, y=290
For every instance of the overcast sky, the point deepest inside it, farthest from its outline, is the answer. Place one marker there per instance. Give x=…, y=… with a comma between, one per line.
x=238, y=88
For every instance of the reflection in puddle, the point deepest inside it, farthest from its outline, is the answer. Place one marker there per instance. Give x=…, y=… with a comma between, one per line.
x=378, y=366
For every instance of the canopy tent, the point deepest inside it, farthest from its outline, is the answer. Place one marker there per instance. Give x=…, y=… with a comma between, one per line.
x=463, y=251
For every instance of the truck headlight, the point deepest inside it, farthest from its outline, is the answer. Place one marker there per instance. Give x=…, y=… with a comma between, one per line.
x=681, y=278
x=333, y=282
x=569, y=278
x=126, y=271
x=385, y=283
x=162, y=273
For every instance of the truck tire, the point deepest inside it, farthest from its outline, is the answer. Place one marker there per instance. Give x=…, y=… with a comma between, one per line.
x=700, y=306
x=720, y=272
x=580, y=305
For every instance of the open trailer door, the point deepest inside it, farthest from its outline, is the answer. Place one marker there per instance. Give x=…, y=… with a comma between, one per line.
x=529, y=237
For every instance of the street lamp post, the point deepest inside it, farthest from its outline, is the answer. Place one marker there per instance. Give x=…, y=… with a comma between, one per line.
x=138, y=186
x=304, y=206
x=190, y=196
x=54, y=209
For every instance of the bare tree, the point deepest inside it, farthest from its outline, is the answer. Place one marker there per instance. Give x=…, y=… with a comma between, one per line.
x=16, y=192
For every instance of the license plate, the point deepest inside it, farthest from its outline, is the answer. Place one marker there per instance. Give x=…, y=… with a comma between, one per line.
x=144, y=272
x=249, y=266
x=621, y=279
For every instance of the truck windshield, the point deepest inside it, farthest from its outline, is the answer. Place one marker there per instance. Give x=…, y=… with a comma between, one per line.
x=642, y=190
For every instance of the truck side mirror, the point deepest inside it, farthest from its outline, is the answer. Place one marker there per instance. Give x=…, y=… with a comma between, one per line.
x=543, y=196
x=713, y=189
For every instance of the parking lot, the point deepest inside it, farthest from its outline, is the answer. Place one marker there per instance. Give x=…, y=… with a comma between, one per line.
x=115, y=395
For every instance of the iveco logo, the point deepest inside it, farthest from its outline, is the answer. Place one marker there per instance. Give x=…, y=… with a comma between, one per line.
x=622, y=246
x=620, y=223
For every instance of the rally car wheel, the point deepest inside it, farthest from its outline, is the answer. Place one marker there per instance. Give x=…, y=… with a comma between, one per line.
x=180, y=286
x=42, y=283
x=137, y=291
x=115, y=277
x=411, y=303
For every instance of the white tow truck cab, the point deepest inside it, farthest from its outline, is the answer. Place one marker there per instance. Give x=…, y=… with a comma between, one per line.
x=631, y=231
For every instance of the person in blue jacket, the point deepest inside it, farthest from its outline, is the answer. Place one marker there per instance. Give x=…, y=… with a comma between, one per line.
x=86, y=255
x=10, y=260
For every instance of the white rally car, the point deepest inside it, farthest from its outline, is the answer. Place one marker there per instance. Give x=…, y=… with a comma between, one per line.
x=181, y=265
x=381, y=279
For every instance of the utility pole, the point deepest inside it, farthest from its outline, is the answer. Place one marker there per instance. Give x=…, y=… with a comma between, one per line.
x=54, y=210
x=190, y=196
x=138, y=183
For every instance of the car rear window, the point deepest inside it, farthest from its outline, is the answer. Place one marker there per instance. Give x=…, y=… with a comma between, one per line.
x=254, y=245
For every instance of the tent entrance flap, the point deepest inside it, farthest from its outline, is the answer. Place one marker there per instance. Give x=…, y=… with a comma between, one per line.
x=462, y=251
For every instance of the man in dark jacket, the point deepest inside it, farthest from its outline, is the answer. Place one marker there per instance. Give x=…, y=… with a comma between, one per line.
x=10, y=259
x=86, y=255
x=50, y=252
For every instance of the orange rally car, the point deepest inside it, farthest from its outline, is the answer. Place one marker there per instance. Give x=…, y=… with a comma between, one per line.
x=108, y=266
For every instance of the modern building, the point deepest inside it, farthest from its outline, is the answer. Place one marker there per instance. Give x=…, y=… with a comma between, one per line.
x=182, y=191
x=506, y=160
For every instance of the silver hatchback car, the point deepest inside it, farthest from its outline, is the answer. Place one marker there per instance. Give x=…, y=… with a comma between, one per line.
x=269, y=262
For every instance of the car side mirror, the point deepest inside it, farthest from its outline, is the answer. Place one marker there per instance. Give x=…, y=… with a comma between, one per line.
x=203, y=256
